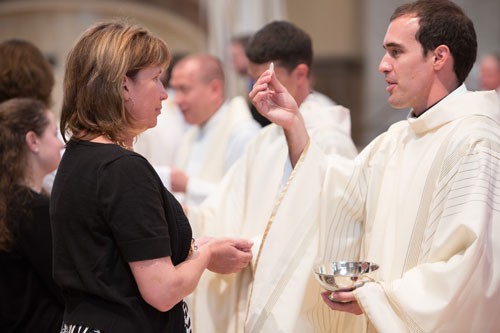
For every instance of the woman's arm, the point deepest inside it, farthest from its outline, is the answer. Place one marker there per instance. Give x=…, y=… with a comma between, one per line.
x=162, y=285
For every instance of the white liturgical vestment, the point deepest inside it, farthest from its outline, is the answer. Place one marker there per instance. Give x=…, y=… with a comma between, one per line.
x=207, y=152
x=422, y=201
x=243, y=203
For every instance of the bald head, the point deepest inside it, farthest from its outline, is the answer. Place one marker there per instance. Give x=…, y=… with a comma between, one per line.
x=207, y=67
x=489, y=70
x=198, y=81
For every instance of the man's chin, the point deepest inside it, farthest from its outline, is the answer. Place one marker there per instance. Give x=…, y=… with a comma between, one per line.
x=395, y=104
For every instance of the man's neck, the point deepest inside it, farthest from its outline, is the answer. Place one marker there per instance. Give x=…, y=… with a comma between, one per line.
x=455, y=91
x=438, y=91
x=216, y=109
x=301, y=94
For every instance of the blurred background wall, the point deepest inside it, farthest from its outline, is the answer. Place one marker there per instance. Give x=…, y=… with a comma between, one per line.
x=347, y=37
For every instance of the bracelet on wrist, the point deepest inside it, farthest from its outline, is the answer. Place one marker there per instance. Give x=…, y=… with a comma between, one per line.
x=194, y=247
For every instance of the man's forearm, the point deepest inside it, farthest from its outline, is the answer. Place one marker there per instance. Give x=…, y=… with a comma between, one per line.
x=296, y=139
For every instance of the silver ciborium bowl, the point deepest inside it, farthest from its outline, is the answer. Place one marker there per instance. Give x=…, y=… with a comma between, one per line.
x=343, y=275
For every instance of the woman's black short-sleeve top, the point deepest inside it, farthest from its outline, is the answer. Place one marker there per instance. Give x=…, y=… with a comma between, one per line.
x=109, y=208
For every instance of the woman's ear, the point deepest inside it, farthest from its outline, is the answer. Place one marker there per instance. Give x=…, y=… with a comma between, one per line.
x=126, y=89
x=32, y=142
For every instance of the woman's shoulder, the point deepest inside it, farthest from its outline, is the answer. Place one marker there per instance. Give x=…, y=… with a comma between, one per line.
x=29, y=209
x=101, y=153
x=119, y=164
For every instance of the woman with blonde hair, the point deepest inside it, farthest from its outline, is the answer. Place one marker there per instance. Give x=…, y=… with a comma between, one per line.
x=29, y=149
x=123, y=248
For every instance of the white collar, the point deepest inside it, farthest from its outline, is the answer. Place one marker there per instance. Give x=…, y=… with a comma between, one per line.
x=461, y=90
x=213, y=120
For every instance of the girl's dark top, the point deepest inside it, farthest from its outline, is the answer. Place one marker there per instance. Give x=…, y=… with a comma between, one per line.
x=109, y=208
x=29, y=299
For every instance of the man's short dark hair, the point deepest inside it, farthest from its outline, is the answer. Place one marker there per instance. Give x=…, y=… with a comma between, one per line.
x=444, y=23
x=281, y=42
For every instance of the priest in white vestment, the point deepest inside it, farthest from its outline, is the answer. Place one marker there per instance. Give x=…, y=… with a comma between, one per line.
x=244, y=201
x=220, y=133
x=422, y=200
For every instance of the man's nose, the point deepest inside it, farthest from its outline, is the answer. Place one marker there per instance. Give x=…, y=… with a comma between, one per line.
x=384, y=65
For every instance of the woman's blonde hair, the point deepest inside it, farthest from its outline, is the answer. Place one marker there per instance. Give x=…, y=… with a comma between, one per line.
x=93, y=102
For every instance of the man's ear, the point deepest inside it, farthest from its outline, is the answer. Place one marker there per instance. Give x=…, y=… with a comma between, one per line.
x=441, y=55
x=216, y=86
x=301, y=71
x=32, y=142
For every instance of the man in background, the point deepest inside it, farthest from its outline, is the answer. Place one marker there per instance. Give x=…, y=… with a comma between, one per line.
x=489, y=71
x=220, y=132
x=243, y=203
x=240, y=64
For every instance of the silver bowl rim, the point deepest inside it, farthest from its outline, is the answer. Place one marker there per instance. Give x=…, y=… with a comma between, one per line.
x=373, y=266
